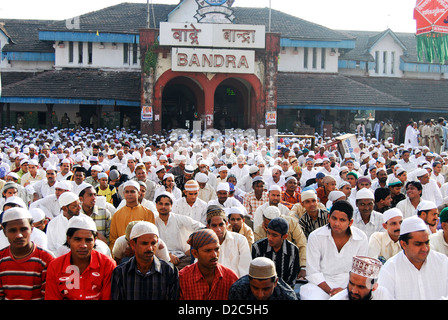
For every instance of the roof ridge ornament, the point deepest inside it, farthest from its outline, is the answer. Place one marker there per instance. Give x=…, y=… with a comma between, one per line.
x=214, y=11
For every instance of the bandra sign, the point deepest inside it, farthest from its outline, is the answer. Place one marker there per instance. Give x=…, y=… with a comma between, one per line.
x=213, y=60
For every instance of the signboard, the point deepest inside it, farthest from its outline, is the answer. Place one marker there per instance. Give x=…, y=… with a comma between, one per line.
x=212, y=35
x=147, y=114
x=348, y=143
x=213, y=61
x=271, y=118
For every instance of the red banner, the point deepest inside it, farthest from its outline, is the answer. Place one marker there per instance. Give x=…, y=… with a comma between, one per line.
x=431, y=16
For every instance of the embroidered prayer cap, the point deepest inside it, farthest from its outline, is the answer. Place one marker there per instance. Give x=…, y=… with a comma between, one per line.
x=215, y=210
x=412, y=224
x=202, y=238
x=82, y=222
x=143, y=227
x=262, y=268
x=16, y=213
x=279, y=225
x=366, y=267
x=191, y=185
x=391, y=213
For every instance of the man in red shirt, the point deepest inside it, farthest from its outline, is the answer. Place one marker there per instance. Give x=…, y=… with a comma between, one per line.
x=23, y=264
x=206, y=279
x=83, y=273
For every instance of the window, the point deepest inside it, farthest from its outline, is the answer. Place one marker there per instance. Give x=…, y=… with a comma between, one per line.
x=70, y=52
x=90, y=52
x=135, y=53
x=80, y=51
x=305, y=58
x=125, y=53
x=385, y=62
x=377, y=61
x=323, y=58
x=314, y=58
x=392, y=62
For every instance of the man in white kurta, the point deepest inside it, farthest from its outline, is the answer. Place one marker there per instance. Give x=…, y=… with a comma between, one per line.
x=324, y=263
x=438, y=240
x=416, y=273
x=198, y=209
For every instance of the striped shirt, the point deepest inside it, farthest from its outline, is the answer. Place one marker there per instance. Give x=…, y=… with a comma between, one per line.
x=309, y=225
x=193, y=286
x=159, y=283
x=287, y=262
x=24, y=279
x=251, y=203
x=102, y=218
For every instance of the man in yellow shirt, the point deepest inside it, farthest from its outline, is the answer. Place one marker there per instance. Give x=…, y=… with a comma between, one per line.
x=131, y=212
x=105, y=189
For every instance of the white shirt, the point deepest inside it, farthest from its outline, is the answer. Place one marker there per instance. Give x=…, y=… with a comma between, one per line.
x=405, y=282
x=379, y=294
x=229, y=203
x=177, y=231
x=239, y=172
x=381, y=245
x=198, y=211
x=431, y=192
x=438, y=242
x=406, y=208
x=42, y=188
x=177, y=194
x=375, y=223
x=49, y=204
x=235, y=253
x=121, y=244
x=207, y=194
x=325, y=263
x=306, y=175
x=270, y=182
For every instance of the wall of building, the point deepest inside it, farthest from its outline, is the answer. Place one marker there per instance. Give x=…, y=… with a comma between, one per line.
x=293, y=60
x=392, y=52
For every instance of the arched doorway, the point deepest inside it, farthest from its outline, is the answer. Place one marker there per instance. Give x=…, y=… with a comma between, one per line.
x=181, y=101
x=232, y=104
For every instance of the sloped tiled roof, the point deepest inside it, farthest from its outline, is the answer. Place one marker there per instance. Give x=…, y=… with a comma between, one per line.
x=78, y=84
x=24, y=35
x=330, y=90
x=419, y=93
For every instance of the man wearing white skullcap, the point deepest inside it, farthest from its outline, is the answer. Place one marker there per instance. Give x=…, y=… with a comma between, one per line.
x=237, y=223
x=428, y=211
x=50, y=204
x=96, y=268
x=24, y=264
x=46, y=186
x=431, y=190
x=363, y=283
x=364, y=217
x=57, y=227
x=190, y=205
x=206, y=191
x=416, y=272
x=223, y=198
x=384, y=244
x=313, y=216
x=274, y=198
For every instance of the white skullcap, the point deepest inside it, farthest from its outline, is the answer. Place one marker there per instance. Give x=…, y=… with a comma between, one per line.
x=132, y=183
x=275, y=187
x=365, y=193
x=50, y=167
x=391, y=213
x=38, y=214
x=96, y=168
x=335, y=195
x=223, y=168
x=63, y=184
x=143, y=227
x=308, y=194
x=168, y=175
x=65, y=161
x=412, y=224
x=223, y=186
x=82, y=222
x=67, y=197
x=102, y=175
x=421, y=173
x=15, y=200
x=201, y=177
x=235, y=210
x=16, y=213
x=426, y=205
x=271, y=212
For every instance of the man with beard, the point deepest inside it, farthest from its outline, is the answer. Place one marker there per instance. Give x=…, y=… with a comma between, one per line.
x=384, y=244
x=381, y=179
x=144, y=276
x=429, y=213
x=362, y=284
x=207, y=279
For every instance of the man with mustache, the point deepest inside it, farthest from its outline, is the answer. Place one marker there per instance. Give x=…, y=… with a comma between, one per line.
x=384, y=244
x=206, y=279
x=144, y=276
x=363, y=281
